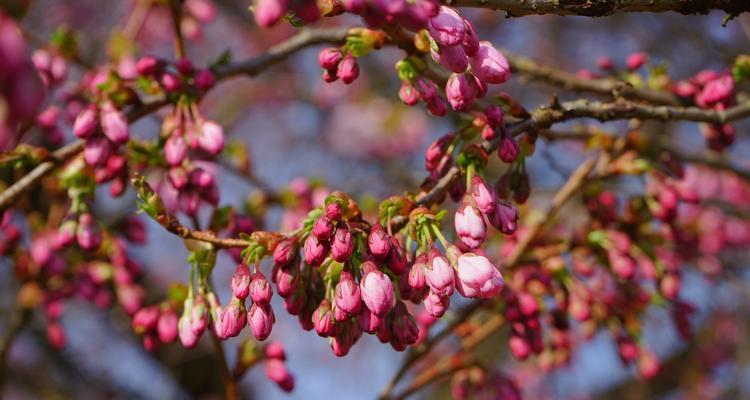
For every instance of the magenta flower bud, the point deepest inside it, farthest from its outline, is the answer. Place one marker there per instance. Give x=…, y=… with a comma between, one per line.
x=528, y=304
x=605, y=63
x=470, y=226
x=148, y=65
x=508, y=149
x=276, y=372
x=345, y=339
x=436, y=305
x=184, y=66
x=719, y=90
x=377, y=291
x=55, y=335
x=396, y=260
x=470, y=43
x=339, y=314
x=66, y=235
x=286, y=280
x=505, y=217
x=636, y=60
x=342, y=245
x=648, y=364
x=436, y=151
x=86, y=123
x=408, y=94
x=483, y=195
x=333, y=211
x=378, y=242
x=88, y=235
x=323, y=228
x=329, y=58
x=241, y=281
x=461, y=91
x=453, y=58
x=204, y=80
x=211, y=139
x=323, y=319
x=489, y=64
x=426, y=89
x=368, y=322
x=96, y=150
x=315, y=251
x=447, y=28
x=489, y=133
x=178, y=178
x=404, y=326
x=269, y=12
x=622, y=264
x=261, y=320
x=166, y=327
x=285, y=252
x=199, y=178
x=175, y=150
x=347, y=294
x=114, y=124
x=231, y=319
x=437, y=106
x=260, y=289
x=477, y=277
x=329, y=76
x=439, y=275
x=145, y=319
x=275, y=351
x=519, y=347
x=417, y=280
x=348, y=69
x=295, y=304
x=494, y=115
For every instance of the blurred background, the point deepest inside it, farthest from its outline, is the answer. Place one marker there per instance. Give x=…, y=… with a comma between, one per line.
x=360, y=139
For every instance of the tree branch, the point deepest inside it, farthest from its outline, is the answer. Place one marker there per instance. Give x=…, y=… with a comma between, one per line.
x=600, y=8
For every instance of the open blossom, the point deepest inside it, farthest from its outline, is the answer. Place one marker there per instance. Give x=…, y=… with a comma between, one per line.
x=439, y=275
x=477, y=277
x=377, y=291
x=470, y=226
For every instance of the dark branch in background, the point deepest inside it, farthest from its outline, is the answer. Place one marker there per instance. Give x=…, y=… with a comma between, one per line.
x=604, y=86
x=600, y=8
x=20, y=318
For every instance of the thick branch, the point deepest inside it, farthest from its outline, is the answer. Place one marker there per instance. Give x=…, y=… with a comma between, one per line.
x=600, y=8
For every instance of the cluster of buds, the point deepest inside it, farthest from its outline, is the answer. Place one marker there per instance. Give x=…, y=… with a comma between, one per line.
x=157, y=324
x=196, y=12
x=337, y=65
x=711, y=90
x=51, y=65
x=412, y=15
x=21, y=90
x=477, y=383
x=174, y=79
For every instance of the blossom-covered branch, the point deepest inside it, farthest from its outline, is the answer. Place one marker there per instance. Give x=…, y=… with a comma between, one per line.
x=604, y=7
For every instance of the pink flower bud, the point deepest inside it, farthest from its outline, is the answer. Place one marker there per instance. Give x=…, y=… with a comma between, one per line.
x=408, y=94
x=211, y=139
x=494, y=115
x=605, y=63
x=345, y=339
x=323, y=228
x=148, y=65
x=261, y=320
x=648, y=364
x=470, y=43
x=66, y=235
x=439, y=275
x=342, y=245
x=622, y=264
x=170, y=82
x=377, y=291
x=470, y=226
x=453, y=58
x=166, y=327
x=447, y=28
x=241, y=281
x=175, y=150
x=483, y=195
x=88, y=235
x=437, y=106
x=275, y=350
x=188, y=337
x=404, y=327
x=269, y=12
x=719, y=90
x=417, y=279
x=96, y=150
x=636, y=60
x=286, y=280
x=528, y=304
x=55, y=335
x=114, y=124
x=347, y=294
x=315, y=251
x=461, y=91
x=260, y=289
x=348, y=69
x=201, y=179
x=477, y=277
x=285, y=252
x=505, y=217
x=396, y=260
x=295, y=304
x=436, y=305
x=184, y=66
x=204, y=80
x=368, y=322
x=508, y=149
x=519, y=347
x=426, y=89
x=323, y=320
x=145, y=319
x=231, y=319
x=329, y=58
x=489, y=64
x=378, y=242
x=86, y=123
x=276, y=371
